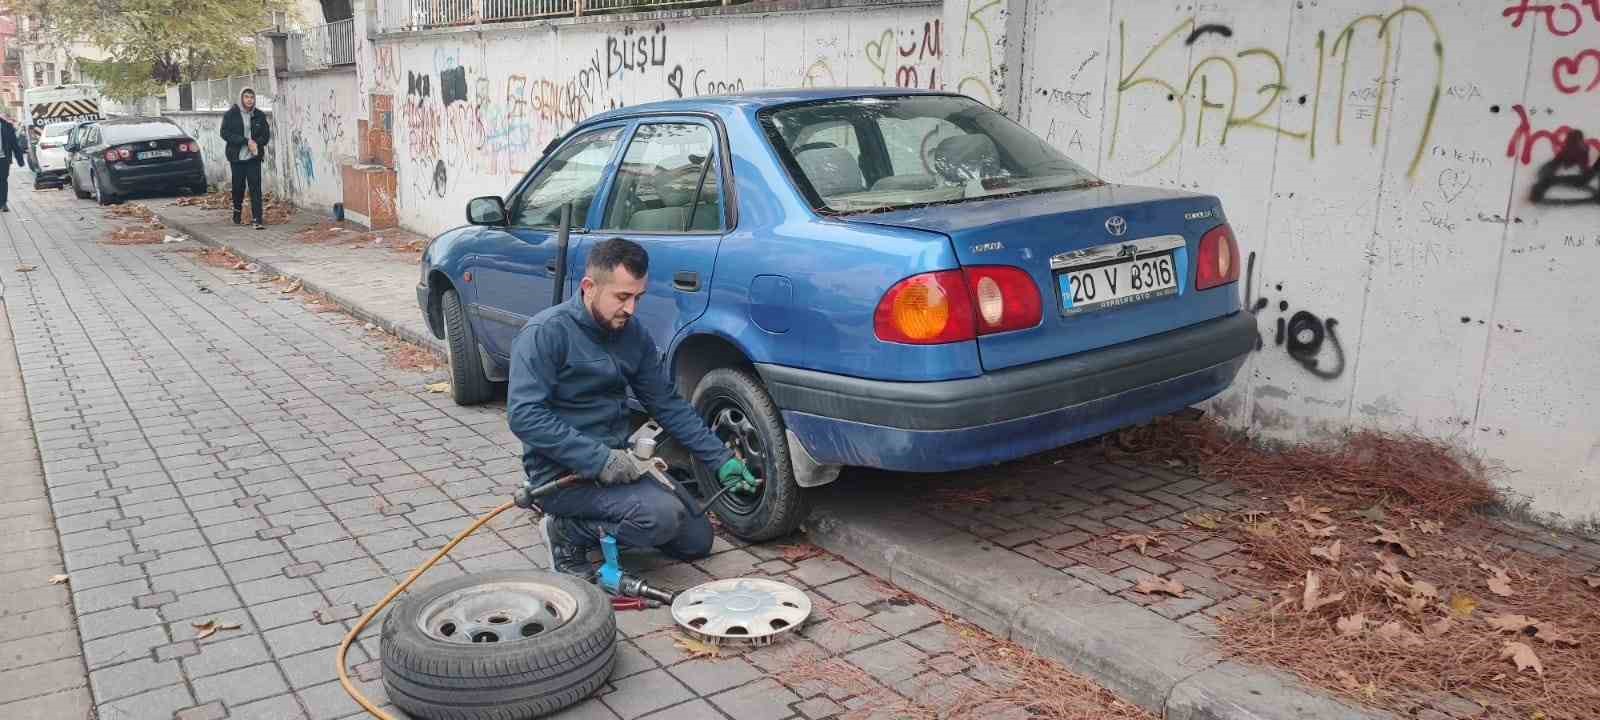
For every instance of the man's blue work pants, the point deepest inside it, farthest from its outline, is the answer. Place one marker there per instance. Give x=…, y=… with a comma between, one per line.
x=641, y=514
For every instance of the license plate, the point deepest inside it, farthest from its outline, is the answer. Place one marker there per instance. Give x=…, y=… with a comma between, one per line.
x=1118, y=283
x=146, y=155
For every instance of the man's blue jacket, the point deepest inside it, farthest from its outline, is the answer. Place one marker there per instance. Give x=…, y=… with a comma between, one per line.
x=567, y=399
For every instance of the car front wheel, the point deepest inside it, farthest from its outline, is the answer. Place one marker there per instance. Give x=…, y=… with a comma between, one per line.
x=738, y=410
x=468, y=384
x=100, y=195
x=76, y=189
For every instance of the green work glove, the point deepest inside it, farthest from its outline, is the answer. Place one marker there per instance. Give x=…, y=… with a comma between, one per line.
x=733, y=474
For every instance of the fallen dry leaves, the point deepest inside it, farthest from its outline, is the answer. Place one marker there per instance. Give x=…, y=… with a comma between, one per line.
x=1204, y=521
x=1391, y=539
x=24, y=267
x=1418, y=593
x=1499, y=582
x=1312, y=598
x=1154, y=585
x=1140, y=541
x=273, y=211
x=203, y=630
x=58, y=579
x=438, y=387
x=1330, y=553
x=1523, y=656
x=695, y=647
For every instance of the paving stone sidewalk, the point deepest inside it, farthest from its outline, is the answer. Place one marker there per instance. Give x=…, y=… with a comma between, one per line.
x=214, y=451
x=374, y=284
x=42, y=676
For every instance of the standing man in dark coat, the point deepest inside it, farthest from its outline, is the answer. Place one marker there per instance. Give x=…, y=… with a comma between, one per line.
x=246, y=132
x=10, y=151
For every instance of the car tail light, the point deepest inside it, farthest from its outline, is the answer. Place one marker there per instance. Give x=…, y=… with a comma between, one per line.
x=1005, y=298
x=1218, y=263
x=187, y=147
x=927, y=309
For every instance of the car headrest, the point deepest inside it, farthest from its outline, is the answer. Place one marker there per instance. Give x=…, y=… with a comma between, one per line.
x=964, y=157
x=676, y=187
x=832, y=170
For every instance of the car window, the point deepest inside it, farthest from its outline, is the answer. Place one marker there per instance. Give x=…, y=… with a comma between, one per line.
x=152, y=130
x=668, y=182
x=57, y=129
x=940, y=149
x=572, y=175
x=910, y=143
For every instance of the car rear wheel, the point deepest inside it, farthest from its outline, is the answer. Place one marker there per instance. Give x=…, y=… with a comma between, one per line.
x=496, y=645
x=738, y=410
x=100, y=195
x=468, y=384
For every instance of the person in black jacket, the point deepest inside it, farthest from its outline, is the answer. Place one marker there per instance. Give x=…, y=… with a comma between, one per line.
x=10, y=150
x=245, y=150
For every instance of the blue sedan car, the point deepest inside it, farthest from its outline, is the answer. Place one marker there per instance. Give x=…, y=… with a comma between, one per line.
x=874, y=277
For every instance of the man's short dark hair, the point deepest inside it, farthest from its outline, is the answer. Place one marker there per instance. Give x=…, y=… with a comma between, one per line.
x=608, y=254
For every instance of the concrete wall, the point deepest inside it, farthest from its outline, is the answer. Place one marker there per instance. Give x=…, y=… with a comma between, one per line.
x=473, y=111
x=315, y=133
x=206, y=128
x=1375, y=160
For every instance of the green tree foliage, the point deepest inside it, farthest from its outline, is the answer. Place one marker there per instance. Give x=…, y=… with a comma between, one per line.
x=150, y=43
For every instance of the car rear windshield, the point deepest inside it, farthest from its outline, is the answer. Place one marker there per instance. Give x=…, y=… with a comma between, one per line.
x=875, y=154
x=130, y=132
x=58, y=129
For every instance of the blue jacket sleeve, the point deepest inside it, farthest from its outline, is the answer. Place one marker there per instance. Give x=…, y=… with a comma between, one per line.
x=654, y=387
x=537, y=356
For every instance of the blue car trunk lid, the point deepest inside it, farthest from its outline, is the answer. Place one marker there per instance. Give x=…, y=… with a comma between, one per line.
x=1081, y=229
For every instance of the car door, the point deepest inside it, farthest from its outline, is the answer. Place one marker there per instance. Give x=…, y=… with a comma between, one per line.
x=667, y=195
x=514, y=266
x=78, y=139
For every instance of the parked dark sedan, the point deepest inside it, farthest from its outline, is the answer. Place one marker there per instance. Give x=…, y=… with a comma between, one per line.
x=134, y=154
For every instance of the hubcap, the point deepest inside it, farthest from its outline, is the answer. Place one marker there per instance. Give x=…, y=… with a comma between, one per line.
x=496, y=613
x=733, y=427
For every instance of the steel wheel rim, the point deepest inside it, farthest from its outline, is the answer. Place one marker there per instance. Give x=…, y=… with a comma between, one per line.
x=496, y=613
x=731, y=423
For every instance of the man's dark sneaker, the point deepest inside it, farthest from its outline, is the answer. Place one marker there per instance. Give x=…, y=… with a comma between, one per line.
x=259, y=226
x=568, y=551
x=237, y=217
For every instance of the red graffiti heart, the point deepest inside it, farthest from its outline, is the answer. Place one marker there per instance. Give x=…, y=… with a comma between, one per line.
x=1570, y=67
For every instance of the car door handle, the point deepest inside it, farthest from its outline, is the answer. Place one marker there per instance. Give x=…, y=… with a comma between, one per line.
x=686, y=280
x=550, y=267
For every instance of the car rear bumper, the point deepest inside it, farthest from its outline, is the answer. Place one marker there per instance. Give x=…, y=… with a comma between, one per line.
x=956, y=424
x=125, y=179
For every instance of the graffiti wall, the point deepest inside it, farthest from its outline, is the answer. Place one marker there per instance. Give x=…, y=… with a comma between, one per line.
x=472, y=112
x=314, y=135
x=1414, y=188
x=206, y=128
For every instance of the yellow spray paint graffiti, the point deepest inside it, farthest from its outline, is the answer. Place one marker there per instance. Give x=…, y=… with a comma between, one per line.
x=1275, y=84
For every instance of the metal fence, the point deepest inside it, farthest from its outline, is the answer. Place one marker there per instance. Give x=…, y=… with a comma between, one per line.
x=330, y=44
x=445, y=13
x=222, y=93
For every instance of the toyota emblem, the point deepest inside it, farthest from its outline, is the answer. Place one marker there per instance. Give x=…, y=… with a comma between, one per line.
x=1116, y=225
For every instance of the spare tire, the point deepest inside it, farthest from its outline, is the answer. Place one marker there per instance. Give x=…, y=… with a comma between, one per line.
x=498, y=645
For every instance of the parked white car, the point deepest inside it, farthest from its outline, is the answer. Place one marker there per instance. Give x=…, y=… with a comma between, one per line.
x=52, y=155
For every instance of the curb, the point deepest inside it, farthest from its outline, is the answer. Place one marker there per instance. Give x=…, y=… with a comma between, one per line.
x=1159, y=664
x=432, y=344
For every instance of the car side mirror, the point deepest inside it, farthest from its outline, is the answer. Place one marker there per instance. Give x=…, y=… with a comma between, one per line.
x=71, y=147
x=486, y=210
